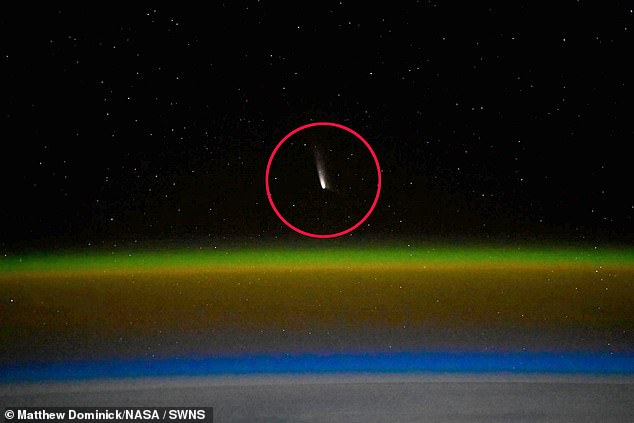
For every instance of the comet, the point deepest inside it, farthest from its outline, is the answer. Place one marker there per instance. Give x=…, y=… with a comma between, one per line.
x=321, y=168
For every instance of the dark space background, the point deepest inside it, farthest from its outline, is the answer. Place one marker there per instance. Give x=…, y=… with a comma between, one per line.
x=491, y=121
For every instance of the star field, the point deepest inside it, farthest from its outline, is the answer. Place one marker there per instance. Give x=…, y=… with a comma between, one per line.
x=490, y=121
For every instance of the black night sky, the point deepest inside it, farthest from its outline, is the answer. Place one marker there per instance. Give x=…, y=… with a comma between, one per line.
x=491, y=122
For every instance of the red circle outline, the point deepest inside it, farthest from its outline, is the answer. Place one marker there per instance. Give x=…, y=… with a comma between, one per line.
x=378, y=172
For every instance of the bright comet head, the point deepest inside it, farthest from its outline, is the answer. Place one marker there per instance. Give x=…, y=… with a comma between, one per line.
x=322, y=182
